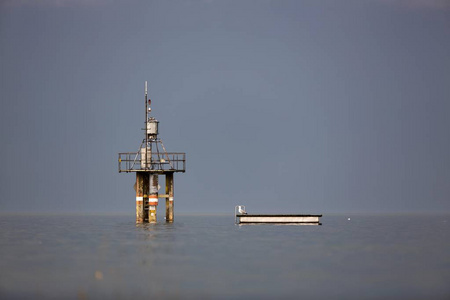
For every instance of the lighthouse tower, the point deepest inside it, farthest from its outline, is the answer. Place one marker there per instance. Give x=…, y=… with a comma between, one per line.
x=151, y=161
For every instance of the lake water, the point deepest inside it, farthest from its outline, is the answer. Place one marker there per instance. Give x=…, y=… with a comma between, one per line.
x=93, y=257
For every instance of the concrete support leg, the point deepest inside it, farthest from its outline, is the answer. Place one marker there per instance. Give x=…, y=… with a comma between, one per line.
x=140, y=179
x=169, y=199
x=153, y=198
x=146, y=189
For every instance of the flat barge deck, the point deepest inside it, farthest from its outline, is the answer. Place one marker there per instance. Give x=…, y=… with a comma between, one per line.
x=241, y=217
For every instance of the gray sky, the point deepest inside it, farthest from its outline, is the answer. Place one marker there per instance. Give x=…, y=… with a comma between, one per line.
x=284, y=106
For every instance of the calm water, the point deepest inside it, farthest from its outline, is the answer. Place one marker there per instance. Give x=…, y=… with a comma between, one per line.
x=91, y=257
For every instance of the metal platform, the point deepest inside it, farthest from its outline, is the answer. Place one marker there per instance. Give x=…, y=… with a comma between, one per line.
x=159, y=163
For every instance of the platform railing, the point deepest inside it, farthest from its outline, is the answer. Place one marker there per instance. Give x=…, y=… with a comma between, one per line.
x=161, y=162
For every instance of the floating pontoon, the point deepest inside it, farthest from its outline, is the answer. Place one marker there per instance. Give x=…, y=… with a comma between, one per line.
x=242, y=217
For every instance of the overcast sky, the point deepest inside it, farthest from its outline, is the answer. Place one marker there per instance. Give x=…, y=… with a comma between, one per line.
x=283, y=106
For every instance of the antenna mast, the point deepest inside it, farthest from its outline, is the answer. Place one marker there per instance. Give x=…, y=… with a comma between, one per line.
x=146, y=125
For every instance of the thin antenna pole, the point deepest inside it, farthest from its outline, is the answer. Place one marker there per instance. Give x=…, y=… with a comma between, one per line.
x=146, y=126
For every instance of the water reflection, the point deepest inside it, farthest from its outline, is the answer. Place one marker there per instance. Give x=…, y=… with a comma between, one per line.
x=203, y=256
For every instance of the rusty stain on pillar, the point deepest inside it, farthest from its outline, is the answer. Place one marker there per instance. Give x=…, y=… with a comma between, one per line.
x=140, y=197
x=169, y=197
x=145, y=190
x=153, y=198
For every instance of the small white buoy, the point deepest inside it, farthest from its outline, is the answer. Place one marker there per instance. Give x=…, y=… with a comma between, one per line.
x=348, y=219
